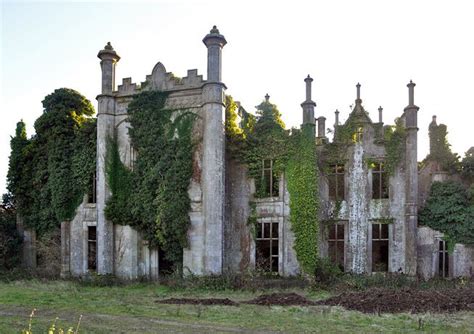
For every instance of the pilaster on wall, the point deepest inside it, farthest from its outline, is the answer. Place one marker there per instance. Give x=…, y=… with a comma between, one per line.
x=411, y=167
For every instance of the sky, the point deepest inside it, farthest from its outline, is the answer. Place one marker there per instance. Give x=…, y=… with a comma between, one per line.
x=272, y=46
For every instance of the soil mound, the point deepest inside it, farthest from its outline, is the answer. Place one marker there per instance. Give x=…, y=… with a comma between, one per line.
x=284, y=299
x=197, y=301
x=404, y=300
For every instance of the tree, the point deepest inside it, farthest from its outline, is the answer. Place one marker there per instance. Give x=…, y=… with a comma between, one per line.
x=48, y=173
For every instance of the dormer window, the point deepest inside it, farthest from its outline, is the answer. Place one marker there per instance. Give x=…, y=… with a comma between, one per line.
x=358, y=135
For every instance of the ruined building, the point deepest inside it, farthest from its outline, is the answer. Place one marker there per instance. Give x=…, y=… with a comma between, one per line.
x=369, y=203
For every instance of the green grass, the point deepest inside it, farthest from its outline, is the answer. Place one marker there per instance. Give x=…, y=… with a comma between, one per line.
x=133, y=309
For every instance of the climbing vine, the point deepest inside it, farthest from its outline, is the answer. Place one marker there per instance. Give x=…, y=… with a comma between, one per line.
x=153, y=196
x=450, y=210
x=440, y=149
x=394, y=138
x=265, y=138
x=302, y=178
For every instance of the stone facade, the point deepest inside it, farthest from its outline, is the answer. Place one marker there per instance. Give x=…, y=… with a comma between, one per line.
x=365, y=234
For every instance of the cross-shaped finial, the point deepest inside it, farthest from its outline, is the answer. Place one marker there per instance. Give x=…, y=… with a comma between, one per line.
x=358, y=91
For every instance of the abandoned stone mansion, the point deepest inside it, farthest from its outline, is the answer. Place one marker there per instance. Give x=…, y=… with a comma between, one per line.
x=368, y=218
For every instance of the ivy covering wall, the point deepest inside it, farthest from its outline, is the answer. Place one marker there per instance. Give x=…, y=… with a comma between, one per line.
x=293, y=153
x=450, y=210
x=50, y=172
x=302, y=175
x=153, y=196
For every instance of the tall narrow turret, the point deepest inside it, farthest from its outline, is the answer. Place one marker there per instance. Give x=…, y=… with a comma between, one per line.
x=213, y=164
x=105, y=130
x=411, y=168
x=108, y=58
x=308, y=105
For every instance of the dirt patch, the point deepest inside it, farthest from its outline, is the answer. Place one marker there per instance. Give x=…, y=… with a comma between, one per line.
x=198, y=301
x=404, y=300
x=284, y=299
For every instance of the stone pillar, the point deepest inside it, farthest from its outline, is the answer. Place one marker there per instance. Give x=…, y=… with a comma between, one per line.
x=213, y=164
x=411, y=167
x=308, y=106
x=28, y=247
x=380, y=114
x=105, y=130
x=65, y=249
x=322, y=128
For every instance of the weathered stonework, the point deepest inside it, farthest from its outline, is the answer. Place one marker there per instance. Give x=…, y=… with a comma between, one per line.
x=221, y=240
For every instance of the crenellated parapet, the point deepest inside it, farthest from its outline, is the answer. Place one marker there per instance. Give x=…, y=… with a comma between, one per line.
x=161, y=80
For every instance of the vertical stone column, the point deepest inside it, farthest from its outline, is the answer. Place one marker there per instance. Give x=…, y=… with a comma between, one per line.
x=411, y=167
x=308, y=106
x=28, y=247
x=65, y=248
x=213, y=164
x=105, y=130
x=322, y=128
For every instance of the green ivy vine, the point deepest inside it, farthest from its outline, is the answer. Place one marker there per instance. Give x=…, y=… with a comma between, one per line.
x=302, y=176
x=265, y=138
x=450, y=210
x=153, y=196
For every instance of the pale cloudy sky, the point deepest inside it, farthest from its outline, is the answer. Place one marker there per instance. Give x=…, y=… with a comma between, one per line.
x=272, y=46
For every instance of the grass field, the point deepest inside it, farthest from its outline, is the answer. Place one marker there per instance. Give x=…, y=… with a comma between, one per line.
x=133, y=309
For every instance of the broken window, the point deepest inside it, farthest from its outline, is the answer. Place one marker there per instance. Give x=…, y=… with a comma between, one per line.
x=267, y=246
x=443, y=265
x=91, y=195
x=269, y=179
x=336, y=182
x=336, y=245
x=91, y=247
x=379, y=247
x=379, y=181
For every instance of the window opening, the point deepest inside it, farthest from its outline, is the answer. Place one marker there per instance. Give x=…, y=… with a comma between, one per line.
x=379, y=181
x=336, y=182
x=336, y=245
x=443, y=270
x=267, y=246
x=269, y=179
x=92, y=248
x=358, y=135
x=379, y=247
x=92, y=194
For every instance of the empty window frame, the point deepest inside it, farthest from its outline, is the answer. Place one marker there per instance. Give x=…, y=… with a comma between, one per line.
x=269, y=184
x=91, y=196
x=267, y=248
x=92, y=248
x=379, y=247
x=379, y=181
x=336, y=244
x=336, y=182
x=443, y=263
